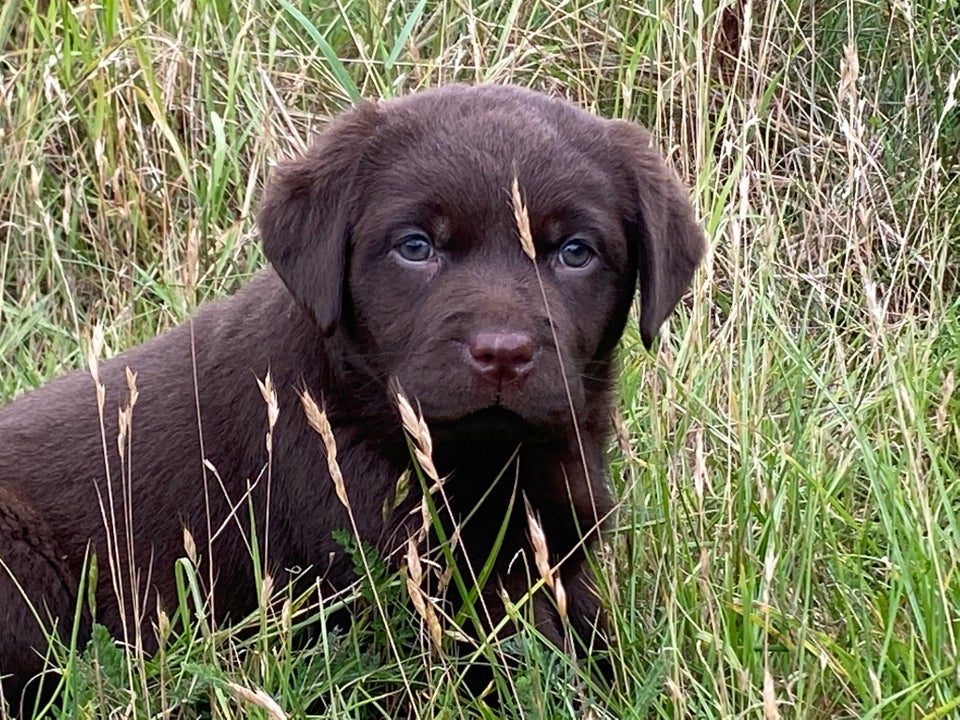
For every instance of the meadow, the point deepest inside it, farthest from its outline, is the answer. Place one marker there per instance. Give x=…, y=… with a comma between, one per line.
x=788, y=460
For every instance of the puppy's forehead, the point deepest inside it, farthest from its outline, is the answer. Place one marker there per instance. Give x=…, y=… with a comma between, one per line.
x=458, y=148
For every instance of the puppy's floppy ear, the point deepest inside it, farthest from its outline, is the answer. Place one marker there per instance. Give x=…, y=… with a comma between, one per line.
x=307, y=211
x=660, y=217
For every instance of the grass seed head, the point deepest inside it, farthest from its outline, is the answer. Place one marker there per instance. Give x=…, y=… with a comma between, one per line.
x=163, y=625
x=190, y=546
x=266, y=590
x=538, y=540
x=123, y=424
x=418, y=431
x=414, y=568
x=523, y=219
x=269, y=393
x=770, y=711
x=259, y=698
x=541, y=556
x=286, y=617
x=849, y=74
x=421, y=601
x=317, y=419
x=424, y=518
x=133, y=393
x=93, y=362
x=560, y=593
x=400, y=492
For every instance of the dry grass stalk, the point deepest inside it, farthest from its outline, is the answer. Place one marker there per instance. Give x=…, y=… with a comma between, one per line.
x=93, y=362
x=269, y=393
x=286, y=618
x=163, y=625
x=319, y=422
x=266, y=590
x=560, y=593
x=673, y=689
x=522, y=218
x=94, y=351
x=134, y=394
x=421, y=601
x=123, y=423
x=106, y=504
x=444, y=576
x=418, y=431
x=770, y=711
x=849, y=75
x=259, y=698
x=125, y=414
x=541, y=556
x=622, y=434
x=190, y=546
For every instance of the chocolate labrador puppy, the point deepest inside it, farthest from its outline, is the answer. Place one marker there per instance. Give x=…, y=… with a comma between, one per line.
x=396, y=257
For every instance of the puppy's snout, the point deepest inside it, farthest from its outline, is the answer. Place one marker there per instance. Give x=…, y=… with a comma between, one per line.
x=501, y=357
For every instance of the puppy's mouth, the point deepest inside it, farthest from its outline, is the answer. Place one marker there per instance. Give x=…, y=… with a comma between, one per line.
x=494, y=424
x=495, y=413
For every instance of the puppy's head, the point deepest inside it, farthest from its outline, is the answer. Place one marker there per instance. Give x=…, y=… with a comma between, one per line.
x=397, y=231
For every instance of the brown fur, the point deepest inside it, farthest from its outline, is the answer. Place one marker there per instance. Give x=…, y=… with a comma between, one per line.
x=340, y=312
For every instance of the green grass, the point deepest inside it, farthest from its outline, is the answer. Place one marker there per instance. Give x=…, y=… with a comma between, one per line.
x=789, y=461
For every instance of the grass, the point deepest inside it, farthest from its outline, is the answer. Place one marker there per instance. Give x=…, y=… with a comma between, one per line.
x=789, y=461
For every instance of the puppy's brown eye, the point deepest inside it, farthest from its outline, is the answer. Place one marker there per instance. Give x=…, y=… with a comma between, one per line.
x=414, y=248
x=575, y=254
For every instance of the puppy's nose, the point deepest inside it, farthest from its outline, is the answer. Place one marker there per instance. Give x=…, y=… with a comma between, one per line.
x=501, y=357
